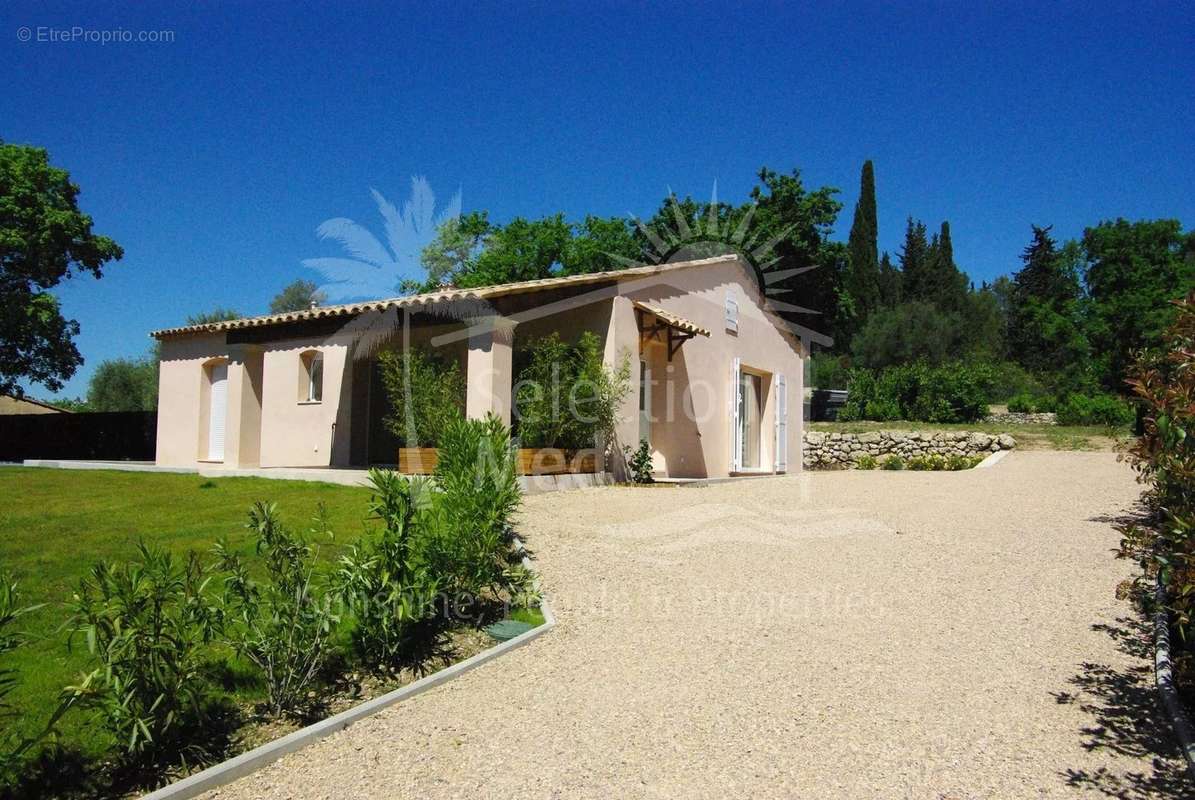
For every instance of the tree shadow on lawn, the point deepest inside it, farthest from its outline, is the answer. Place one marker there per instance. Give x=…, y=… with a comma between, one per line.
x=1128, y=719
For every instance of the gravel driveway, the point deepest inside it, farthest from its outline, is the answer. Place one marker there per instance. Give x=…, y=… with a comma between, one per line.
x=852, y=634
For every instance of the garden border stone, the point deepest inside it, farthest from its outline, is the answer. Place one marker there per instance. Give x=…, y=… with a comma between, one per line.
x=246, y=763
x=1164, y=675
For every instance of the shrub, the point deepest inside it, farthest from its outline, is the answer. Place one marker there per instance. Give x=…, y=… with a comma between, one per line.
x=918, y=392
x=1011, y=380
x=867, y=461
x=1100, y=409
x=471, y=545
x=565, y=396
x=1164, y=455
x=892, y=462
x=426, y=394
x=10, y=610
x=1024, y=403
x=829, y=371
x=282, y=626
x=956, y=462
x=639, y=463
x=147, y=623
x=380, y=581
x=932, y=462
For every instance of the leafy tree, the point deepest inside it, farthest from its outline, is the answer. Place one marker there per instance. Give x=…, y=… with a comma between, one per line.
x=44, y=238
x=911, y=331
x=1133, y=270
x=453, y=252
x=298, y=295
x=215, y=315
x=522, y=250
x=124, y=385
x=987, y=322
x=862, y=279
x=1045, y=331
x=602, y=243
x=807, y=273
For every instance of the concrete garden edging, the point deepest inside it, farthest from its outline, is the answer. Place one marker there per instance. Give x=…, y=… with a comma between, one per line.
x=247, y=763
x=1164, y=674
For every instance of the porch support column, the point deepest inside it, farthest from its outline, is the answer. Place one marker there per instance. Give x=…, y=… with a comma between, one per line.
x=242, y=425
x=622, y=340
x=489, y=370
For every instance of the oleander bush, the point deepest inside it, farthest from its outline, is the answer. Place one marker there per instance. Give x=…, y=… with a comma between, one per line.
x=282, y=623
x=381, y=581
x=147, y=624
x=954, y=392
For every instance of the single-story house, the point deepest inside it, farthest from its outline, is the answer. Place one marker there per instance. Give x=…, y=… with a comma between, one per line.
x=716, y=385
x=27, y=405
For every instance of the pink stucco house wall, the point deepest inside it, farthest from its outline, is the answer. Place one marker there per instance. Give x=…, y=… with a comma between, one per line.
x=716, y=386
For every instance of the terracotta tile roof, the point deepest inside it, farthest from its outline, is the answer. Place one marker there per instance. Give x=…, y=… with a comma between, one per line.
x=672, y=320
x=444, y=296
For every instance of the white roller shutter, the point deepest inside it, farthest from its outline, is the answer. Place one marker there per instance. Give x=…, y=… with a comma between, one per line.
x=218, y=413
x=781, y=424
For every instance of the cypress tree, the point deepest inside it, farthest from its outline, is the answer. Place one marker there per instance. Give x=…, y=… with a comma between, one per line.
x=890, y=282
x=916, y=281
x=863, y=271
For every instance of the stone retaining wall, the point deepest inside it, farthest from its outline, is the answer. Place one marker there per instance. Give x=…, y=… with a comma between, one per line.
x=824, y=450
x=1022, y=418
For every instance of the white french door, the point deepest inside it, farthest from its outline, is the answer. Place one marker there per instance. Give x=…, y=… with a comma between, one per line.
x=781, y=424
x=644, y=401
x=217, y=412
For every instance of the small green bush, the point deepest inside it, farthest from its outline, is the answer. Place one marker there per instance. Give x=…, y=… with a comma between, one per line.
x=892, y=462
x=281, y=624
x=148, y=623
x=866, y=461
x=1025, y=403
x=1101, y=409
x=829, y=371
x=380, y=581
x=956, y=462
x=470, y=541
x=955, y=392
x=426, y=393
x=932, y=462
x=639, y=463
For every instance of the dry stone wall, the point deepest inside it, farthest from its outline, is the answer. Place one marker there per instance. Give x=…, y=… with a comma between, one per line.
x=826, y=450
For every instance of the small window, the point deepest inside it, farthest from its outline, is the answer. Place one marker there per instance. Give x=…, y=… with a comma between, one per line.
x=732, y=312
x=312, y=385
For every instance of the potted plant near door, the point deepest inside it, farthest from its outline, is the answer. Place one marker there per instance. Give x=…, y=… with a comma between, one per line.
x=426, y=394
x=566, y=403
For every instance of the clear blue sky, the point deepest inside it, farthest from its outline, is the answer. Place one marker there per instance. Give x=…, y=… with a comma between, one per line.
x=213, y=159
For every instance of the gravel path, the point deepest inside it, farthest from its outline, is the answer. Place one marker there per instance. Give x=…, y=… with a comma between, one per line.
x=858, y=634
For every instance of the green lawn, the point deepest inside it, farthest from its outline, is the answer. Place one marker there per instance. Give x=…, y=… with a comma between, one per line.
x=55, y=524
x=1029, y=437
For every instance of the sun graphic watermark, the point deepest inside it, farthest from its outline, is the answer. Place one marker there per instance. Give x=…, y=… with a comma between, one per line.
x=385, y=274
